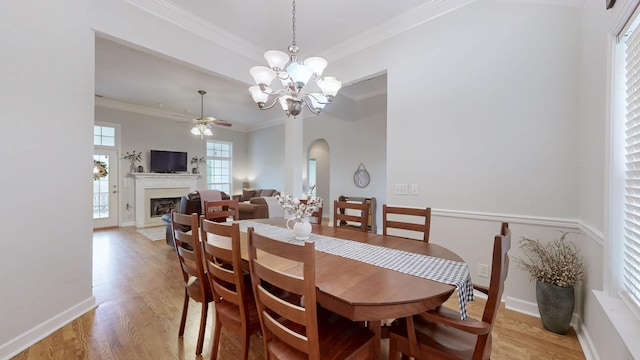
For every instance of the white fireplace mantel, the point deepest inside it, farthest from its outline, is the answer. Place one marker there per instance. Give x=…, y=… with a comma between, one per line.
x=145, y=183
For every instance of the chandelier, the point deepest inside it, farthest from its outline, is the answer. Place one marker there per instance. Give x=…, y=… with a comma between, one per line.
x=294, y=76
x=201, y=125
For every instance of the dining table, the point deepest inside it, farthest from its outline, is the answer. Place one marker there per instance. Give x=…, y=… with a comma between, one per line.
x=362, y=290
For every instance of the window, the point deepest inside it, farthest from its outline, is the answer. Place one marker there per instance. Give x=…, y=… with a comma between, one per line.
x=625, y=259
x=104, y=136
x=219, y=166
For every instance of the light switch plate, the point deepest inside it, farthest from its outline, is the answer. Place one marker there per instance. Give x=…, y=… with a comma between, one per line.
x=402, y=189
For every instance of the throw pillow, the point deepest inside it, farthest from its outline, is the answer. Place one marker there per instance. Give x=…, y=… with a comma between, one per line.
x=267, y=193
x=247, y=195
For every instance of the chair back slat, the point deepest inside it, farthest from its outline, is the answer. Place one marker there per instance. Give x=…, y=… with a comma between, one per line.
x=221, y=210
x=221, y=251
x=187, y=245
x=416, y=220
x=235, y=306
x=186, y=238
x=343, y=218
x=293, y=325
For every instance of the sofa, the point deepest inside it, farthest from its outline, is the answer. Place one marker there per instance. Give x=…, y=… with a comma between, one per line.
x=189, y=204
x=252, y=204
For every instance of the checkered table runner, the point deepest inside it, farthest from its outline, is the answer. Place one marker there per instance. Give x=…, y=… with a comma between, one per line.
x=427, y=267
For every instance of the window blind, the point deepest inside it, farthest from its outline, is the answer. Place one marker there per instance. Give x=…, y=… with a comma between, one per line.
x=632, y=173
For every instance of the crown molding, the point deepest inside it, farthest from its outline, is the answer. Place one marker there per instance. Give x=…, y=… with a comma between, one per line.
x=178, y=16
x=197, y=25
x=104, y=102
x=393, y=27
x=572, y=3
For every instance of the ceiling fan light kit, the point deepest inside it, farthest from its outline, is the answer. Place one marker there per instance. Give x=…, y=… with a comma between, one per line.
x=294, y=75
x=202, y=125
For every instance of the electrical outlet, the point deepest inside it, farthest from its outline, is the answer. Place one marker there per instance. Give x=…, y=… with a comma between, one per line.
x=413, y=189
x=483, y=270
x=402, y=189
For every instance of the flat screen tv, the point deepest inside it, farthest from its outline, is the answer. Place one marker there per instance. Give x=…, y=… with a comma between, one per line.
x=168, y=161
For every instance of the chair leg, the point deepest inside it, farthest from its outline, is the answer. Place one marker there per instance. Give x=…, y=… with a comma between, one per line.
x=203, y=325
x=245, y=346
x=216, y=339
x=393, y=349
x=185, y=307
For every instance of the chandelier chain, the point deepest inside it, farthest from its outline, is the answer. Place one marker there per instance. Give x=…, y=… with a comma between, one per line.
x=293, y=22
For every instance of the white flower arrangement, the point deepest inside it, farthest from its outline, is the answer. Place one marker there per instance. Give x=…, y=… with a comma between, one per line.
x=297, y=208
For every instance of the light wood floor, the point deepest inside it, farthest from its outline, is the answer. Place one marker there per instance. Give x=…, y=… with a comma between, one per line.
x=139, y=292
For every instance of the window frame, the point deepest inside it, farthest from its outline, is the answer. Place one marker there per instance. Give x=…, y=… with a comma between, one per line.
x=210, y=168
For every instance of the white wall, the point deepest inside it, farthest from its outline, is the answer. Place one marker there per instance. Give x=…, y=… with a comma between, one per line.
x=361, y=139
x=483, y=118
x=143, y=133
x=494, y=109
x=265, y=151
x=47, y=116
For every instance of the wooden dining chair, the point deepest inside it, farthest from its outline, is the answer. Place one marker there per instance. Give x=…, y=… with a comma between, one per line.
x=300, y=329
x=235, y=307
x=196, y=283
x=416, y=221
x=343, y=215
x=440, y=334
x=316, y=216
x=221, y=210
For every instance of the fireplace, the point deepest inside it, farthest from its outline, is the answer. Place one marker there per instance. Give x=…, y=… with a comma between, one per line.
x=157, y=194
x=161, y=206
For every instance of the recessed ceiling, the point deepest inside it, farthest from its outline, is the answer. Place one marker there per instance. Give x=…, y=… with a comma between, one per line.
x=153, y=81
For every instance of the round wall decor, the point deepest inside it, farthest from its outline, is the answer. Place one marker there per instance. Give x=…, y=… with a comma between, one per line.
x=361, y=177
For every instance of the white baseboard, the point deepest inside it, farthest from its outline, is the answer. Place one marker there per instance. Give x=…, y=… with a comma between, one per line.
x=39, y=332
x=521, y=306
x=588, y=348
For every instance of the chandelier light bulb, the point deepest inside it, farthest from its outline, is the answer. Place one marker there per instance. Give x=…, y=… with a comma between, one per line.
x=318, y=101
x=316, y=64
x=329, y=86
x=258, y=95
x=300, y=74
x=277, y=59
x=262, y=75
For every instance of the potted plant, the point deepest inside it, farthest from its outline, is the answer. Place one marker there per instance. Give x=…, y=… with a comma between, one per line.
x=197, y=161
x=557, y=266
x=134, y=157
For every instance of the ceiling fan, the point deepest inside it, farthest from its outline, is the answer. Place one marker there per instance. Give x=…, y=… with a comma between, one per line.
x=202, y=125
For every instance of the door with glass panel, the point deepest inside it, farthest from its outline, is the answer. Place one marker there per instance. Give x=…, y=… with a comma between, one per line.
x=105, y=188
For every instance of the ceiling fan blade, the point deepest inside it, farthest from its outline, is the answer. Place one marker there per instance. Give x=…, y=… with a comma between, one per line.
x=222, y=122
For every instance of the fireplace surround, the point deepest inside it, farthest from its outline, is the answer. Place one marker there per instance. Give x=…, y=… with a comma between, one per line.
x=159, y=186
